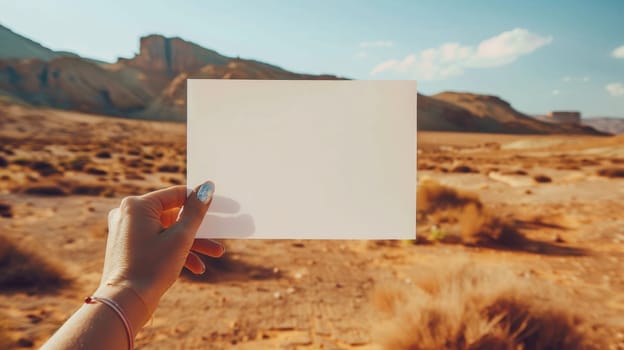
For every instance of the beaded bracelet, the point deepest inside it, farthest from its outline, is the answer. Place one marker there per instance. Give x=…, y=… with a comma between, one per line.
x=119, y=311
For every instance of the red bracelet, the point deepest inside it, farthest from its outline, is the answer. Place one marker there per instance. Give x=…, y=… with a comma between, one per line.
x=119, y=311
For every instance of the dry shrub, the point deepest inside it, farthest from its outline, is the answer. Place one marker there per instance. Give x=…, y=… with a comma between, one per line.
x=44, y=168
x=24, y=268
x=133, y=175
x=103, y=155
x=78, y=163
x=611, y=172
x=433, y=197
x=542, y=178
x=96, y=171
x=515, y=172
x=463, y=169
x=458, y=216
x=3, y=162
x=89, y=189
x=45, y=190
x=6, y=211
x=470, y=222
x=470, y=307
x=169, y=168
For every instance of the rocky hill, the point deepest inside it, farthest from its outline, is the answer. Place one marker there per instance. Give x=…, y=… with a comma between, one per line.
x=497, y=115
x=152, y=85
x=14, y=45
x=606, y=124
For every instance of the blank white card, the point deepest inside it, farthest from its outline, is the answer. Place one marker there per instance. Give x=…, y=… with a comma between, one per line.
x=304, y=159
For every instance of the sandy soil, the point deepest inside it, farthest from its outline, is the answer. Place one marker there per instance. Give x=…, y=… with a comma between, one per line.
x=304, y=294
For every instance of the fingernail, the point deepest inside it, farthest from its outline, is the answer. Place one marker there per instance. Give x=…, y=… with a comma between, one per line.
x=222, y=250
x=204, y=194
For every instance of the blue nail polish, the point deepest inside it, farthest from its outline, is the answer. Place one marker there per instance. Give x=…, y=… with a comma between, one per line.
x=204, y=194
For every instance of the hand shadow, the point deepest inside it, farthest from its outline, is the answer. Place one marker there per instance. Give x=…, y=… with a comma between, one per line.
x=223, y=220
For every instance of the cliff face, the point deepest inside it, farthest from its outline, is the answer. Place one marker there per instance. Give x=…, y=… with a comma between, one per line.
x=151, y=85
x=172, y=56
x=171, y=104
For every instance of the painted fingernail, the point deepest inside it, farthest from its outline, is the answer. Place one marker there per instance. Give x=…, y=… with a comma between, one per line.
x=204, y=194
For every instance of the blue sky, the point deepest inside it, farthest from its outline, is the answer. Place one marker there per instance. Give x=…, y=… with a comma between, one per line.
x=538, y=55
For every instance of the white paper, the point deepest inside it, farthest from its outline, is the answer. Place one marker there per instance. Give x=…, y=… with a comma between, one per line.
x=304, y=159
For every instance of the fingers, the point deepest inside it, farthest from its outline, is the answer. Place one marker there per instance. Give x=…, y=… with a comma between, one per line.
x=169, y=217
x=167, y=198
x=208, y=247
x=194, y=210
x=194, y=264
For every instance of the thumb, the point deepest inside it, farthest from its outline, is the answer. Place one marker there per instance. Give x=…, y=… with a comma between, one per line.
x=194, y=210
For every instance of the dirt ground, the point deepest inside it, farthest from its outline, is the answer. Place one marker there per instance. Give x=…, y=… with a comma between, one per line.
x=64, y=171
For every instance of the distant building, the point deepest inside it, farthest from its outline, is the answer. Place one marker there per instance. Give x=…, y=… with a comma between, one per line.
x=571, y=117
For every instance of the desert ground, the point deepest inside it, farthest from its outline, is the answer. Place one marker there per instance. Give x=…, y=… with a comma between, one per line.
x=520, y=246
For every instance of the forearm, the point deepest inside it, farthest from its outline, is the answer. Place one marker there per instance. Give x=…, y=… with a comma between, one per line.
x=98, y=326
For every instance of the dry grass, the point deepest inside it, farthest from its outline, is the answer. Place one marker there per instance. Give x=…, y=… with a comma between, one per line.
x=24, y=268
x=470, y=307
x=462, y=212
x=611, y=172
x=542, y=178
x=458, y=216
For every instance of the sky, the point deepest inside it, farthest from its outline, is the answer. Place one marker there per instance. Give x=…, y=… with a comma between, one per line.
x=537, y=55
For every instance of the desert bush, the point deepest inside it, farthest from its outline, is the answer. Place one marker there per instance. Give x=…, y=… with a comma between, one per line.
x=134, y=152
x=474, y=307
x=6, y=210
x=133, y=175
x=78, y=163
x=89, y=189
x=96, y=171
x=44, y=168
x=22, y=161
x=542, y=178
x=514, y=172
x=3, y=162
x=433, y=196
x=611, y=172
x=45, y=190
x=463, y=210
x=463, y=169
x=169, y=168
x=24, y=268
x=103, y=155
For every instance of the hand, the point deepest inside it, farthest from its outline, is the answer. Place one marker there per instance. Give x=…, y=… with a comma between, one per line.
x=150, y=239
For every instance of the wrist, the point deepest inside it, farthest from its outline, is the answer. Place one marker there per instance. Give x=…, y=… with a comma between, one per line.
x=133, y=306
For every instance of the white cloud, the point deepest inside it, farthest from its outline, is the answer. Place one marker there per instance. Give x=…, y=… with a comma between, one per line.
x=384, y=66
x=579, y=79
x=556, y=92
x=450, y=59
x=615, y=89
x=507, y=47
x=618, y=52
x=378, y=43
x=361, y=54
